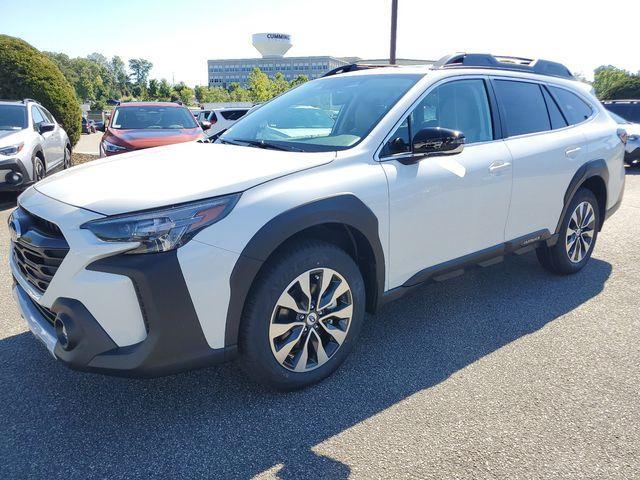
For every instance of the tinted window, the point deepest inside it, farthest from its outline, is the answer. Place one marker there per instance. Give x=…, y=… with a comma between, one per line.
x=13, y=117
x=574, y=108
x=628, y=111
x=523, y=107
x=400, y=141
x=461, y=105
x=233, y=114
x=557, y=120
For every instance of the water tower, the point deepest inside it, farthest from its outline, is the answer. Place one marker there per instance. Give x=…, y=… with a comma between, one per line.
x=272, y=45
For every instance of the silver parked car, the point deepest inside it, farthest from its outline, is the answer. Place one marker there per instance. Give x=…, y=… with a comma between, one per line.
x=632, y=148
x=32, y=144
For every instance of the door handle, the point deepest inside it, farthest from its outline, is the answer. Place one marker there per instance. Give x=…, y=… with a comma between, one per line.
x=496, y=167
x=572, y=152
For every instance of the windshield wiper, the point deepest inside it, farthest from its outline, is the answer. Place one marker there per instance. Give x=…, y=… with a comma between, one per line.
x=266, y=145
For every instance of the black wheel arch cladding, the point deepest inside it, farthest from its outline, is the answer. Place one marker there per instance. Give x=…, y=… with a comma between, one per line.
x=595, y=169
x=344, y=209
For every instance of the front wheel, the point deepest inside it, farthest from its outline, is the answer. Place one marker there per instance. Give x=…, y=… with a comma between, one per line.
x=302, y=316
x=67, y=158
x=577, y=237
x=39, y=170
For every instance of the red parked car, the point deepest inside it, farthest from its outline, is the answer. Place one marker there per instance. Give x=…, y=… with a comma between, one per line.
x=138, y=125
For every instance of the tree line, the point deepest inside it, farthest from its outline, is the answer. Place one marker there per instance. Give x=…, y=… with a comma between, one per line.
x=97, y=79
x=612, y=83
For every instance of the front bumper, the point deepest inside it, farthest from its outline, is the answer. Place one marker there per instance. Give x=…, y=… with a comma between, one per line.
x=128, y=315
x=13, y=165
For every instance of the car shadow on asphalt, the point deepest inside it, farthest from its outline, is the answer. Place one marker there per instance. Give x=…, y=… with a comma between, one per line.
x=214, y=423
x=8, y=200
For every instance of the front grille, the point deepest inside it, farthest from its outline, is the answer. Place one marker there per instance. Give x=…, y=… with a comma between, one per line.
x=48, y=315
x=38, y=250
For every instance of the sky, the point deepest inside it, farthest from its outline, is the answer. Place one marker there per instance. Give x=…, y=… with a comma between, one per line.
x=178, y=36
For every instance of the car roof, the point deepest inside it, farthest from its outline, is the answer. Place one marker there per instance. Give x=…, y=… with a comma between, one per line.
x=150, y=104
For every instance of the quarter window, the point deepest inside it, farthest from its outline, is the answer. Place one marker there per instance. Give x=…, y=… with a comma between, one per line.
x=523, y=107
x=575, y=109
x=555, y=115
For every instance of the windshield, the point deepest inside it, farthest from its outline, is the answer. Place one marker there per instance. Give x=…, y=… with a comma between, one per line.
x=13, y=117
x=329, y=114
x=152, y=117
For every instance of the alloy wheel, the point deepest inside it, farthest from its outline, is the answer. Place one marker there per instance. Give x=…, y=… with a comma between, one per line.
x=580, y=232
x=39, y=170
x=311, y=320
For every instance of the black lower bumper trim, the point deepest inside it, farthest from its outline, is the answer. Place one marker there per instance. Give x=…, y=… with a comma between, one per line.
x=14, y=165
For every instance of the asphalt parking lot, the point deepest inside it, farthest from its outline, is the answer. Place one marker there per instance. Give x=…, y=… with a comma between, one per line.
x=505, y=372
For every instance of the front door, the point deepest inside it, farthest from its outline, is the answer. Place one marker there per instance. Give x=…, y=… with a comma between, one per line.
x=443, y=208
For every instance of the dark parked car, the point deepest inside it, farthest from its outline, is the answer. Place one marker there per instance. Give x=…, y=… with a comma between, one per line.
x=627, y=109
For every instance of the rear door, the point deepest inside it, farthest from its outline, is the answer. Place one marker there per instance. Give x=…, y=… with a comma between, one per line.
x=546, y=153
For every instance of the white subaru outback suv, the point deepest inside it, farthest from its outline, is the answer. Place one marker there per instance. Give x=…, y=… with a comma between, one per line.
x=276, y=243
x=32, y=144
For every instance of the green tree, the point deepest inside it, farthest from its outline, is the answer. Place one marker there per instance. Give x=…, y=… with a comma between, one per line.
x=26, y=72
x=610, y=82
x=164, y=90
x=120, y=76
x=259, y=86
x=140, y=69
x=154, y=89
x=279, y=84
x=299, y=80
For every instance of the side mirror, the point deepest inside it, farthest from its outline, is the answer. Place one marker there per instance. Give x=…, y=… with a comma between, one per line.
x=434, y=141
x=46, y=127
x=205, y=124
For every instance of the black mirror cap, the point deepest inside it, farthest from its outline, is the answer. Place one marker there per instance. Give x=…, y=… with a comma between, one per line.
x=205, y=124
x=46, y=127
x=434, y=141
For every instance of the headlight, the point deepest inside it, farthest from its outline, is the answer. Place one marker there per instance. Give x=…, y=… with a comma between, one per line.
x=164, y=229
x=112, y=147
x=11, y=150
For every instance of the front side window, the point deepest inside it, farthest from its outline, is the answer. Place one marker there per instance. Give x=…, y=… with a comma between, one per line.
x=523, y=107
x=334, y=113
x=46, y=114
x=575, y=109
x=13, y=117
x=461, y=105
x=152, y=117
x=38, y=118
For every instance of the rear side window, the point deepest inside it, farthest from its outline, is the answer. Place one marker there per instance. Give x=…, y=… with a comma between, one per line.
x=555, y=115
x=523, y=107
x=574, y=108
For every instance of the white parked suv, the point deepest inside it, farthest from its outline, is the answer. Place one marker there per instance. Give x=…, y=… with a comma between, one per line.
x=276, y=243
x=32, y=144
x=218, y=119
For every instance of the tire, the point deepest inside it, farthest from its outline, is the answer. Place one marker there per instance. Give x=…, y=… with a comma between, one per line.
x=268, y=328
x=577, y=236
x=67, y=158
x=39, y=170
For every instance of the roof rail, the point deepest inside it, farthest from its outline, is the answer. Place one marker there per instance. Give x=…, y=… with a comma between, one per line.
x=353, y=67
x=25, y=100
x=500, y=62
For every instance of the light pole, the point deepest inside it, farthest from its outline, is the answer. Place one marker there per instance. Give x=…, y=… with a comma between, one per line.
x=394, y=28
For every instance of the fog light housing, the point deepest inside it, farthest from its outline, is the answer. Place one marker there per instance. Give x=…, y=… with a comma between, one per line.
x=65, y=331
x=13, y=178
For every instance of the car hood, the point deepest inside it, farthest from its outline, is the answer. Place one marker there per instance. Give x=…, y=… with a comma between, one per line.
x=9, y=137
x=174, y=174
x=152, y=138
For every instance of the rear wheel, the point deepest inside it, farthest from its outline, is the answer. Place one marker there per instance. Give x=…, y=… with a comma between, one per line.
x=302, y=316
x=577, y=237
